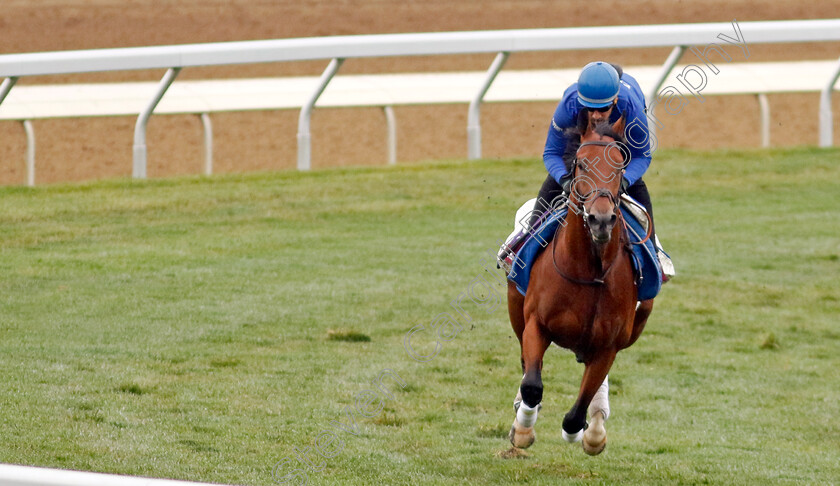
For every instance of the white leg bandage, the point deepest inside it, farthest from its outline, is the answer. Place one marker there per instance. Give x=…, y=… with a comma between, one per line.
x=572, y=438
x=601, y=400
x=527, y=416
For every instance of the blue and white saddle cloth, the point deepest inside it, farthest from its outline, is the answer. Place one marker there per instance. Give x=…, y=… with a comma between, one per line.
x=645, y=260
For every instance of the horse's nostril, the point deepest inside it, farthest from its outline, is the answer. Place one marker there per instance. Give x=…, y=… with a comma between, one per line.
x=592, y=219
x=612, y=219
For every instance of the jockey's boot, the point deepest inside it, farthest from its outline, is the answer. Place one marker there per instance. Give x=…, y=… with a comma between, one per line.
x=665, y=262
x=521, y=230
x=508, y=250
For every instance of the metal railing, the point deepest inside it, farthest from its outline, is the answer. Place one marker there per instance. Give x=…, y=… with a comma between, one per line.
x=15, y=475
x=339, y=48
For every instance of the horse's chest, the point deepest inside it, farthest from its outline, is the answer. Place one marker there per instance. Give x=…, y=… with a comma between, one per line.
x=577, y=309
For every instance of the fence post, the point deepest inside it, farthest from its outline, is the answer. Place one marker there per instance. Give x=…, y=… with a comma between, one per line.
x=826, y=117
x=139, y=165
x=30, y=153
x=304, y=138
x=474, y=113
x=207, y=128
x=675, y=56
x=7, y=85
x=391, y=122
x=764, y=107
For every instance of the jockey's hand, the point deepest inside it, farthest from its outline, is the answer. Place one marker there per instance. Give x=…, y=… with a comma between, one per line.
x=566, y=183
x=624, y=185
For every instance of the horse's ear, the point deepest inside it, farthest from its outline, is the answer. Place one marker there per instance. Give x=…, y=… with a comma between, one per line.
x=583, y=122
x=618, y=126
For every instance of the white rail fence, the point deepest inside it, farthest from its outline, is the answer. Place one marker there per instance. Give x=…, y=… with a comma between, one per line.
x=175, y=58
x=478, y=88
x=203, y=98
x=11, y=475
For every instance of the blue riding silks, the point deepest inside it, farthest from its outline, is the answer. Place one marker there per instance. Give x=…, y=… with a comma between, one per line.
x=645, y=261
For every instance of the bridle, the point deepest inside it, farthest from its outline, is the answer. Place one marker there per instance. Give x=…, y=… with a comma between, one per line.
x=597, y=192
x=594, y=194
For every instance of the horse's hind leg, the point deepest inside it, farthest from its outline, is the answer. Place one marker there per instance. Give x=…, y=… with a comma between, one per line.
x=594, y=375
x=640, y=319
x=534, y=344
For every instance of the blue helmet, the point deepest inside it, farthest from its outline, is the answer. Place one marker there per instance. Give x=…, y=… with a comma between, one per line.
x=597, y=85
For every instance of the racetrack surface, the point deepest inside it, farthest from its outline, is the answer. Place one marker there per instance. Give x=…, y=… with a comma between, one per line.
x=208, y=329
x=70, y=150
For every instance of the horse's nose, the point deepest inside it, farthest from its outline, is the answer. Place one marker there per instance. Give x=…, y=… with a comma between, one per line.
x=600, y=225
x=607, y=220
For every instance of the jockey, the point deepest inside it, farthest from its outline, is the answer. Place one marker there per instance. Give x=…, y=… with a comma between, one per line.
x=605, y=93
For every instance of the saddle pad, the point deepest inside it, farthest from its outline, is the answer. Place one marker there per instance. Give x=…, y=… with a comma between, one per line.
x=645, y=261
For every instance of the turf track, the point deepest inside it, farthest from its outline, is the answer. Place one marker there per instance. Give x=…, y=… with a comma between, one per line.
x=203, y=329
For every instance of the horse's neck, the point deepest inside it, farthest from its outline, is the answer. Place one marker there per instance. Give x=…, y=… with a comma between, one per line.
x=577, y=249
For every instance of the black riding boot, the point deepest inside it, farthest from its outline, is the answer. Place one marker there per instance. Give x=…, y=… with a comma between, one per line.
x=639, y=192
x=550, y=195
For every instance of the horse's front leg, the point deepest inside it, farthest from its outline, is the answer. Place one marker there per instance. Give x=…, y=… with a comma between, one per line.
x=574, y=422
x=595, y=436
x=534, y=344
x=516, y=313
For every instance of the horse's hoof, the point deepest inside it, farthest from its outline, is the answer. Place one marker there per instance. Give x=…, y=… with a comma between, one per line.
x=595, y=437
x=521, y=437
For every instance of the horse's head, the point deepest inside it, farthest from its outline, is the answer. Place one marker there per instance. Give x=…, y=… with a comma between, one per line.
x=598, y=168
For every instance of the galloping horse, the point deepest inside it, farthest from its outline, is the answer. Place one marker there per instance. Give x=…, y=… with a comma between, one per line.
x=581, y=294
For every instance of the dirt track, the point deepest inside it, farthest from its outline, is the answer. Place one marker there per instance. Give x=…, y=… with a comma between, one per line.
x=69, y=150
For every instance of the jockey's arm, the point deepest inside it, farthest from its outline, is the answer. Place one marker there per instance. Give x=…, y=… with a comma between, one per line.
x=555, y=143
x=639, y=163
x=638, y=140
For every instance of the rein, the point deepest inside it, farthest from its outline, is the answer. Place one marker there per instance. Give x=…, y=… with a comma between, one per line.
x=647, y=234
x=595, y=281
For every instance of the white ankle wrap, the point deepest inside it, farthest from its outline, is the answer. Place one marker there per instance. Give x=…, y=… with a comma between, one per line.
x=527, y=416
x=601, y=401
x=576, y=437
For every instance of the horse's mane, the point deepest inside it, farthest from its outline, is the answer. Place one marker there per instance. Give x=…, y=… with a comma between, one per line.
x=574, y=134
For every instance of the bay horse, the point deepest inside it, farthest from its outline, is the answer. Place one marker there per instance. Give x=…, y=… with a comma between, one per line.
x=582, y=293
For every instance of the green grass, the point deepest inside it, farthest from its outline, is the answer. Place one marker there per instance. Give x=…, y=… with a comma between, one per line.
x=204, y=329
